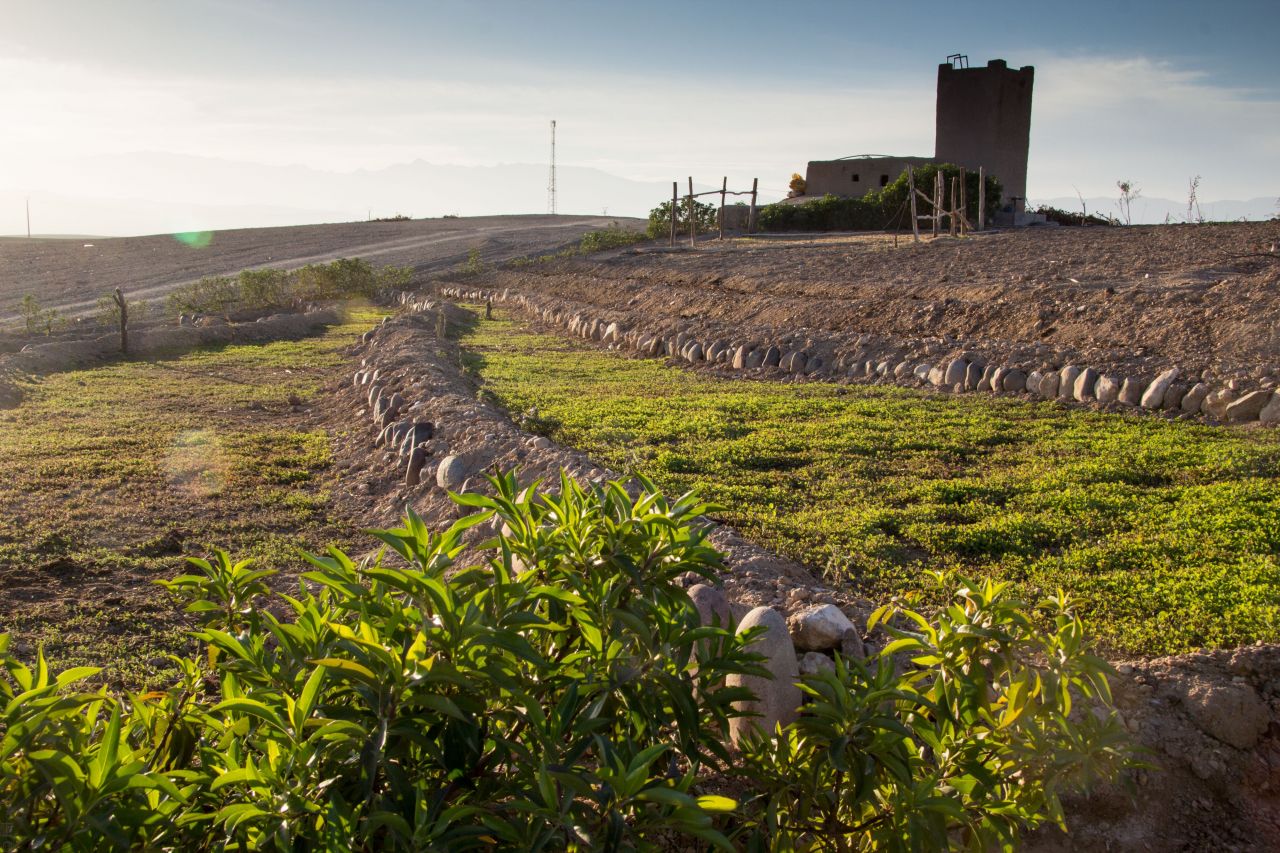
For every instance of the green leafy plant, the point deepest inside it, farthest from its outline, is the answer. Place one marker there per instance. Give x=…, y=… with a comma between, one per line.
x=474, y=264
x=705, y=216
x=39, y=320
x=960, y=732
x=1066, y=217
x=561, y=694
x=345, y=278
x=613, y=237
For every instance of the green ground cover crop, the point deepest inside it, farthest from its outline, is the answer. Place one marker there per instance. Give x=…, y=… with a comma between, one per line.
x=109, y=476
x=1171, y=531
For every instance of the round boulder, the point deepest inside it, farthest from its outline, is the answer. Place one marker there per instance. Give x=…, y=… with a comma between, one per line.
x=819, y=628
x=777, y=698
x=451, y=473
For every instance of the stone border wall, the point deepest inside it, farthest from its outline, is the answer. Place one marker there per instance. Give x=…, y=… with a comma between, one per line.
x=873, y=359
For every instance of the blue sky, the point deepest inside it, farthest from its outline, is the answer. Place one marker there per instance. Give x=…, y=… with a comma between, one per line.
x=1152, y=91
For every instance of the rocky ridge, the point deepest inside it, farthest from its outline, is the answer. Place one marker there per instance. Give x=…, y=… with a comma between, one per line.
x=807, y=354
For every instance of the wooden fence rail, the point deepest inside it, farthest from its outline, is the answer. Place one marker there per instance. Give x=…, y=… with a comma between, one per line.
x=692, y=206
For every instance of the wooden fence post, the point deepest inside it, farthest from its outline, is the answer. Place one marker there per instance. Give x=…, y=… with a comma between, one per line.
x=982, y=198
x=724, y=186
x=952, y=226
x=675, y=194
x=937, y=202
x=911, y=191
x=964, y=201
x=693, y=217
x=751, y=214
x=118, y=296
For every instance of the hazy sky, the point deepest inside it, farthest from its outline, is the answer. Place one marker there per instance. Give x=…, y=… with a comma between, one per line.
x=655, y=90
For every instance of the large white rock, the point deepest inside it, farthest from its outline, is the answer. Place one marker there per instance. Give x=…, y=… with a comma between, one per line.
x=1014, y=381
x=1215, y=405
x=451, y=473
x=1067, y=381
x=955, y=372
x=1248, y=407
x=1086, y=382
x=819, y=627
x=1194, y=398
x=1270, y=413
x=1049, y=385
x=1108, y=388
x=777, y=698
x=713, y=607
x=1153, y=397
x=1131, y=391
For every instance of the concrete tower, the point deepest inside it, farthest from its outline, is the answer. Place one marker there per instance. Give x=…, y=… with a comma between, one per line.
x=984, y=119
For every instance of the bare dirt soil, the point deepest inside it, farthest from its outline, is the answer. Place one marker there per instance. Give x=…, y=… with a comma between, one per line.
x=71, y=274
x=1204, y=297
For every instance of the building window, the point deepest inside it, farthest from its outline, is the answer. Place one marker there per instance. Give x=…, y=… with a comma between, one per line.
x=884, y=180
x=855, y=177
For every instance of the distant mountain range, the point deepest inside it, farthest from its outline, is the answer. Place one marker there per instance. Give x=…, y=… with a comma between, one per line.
x=1153, y=211
x=158, y=193
x=149, y=193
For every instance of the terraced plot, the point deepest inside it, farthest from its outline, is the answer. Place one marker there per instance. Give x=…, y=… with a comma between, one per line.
x=112, y=475
x=1170, y=530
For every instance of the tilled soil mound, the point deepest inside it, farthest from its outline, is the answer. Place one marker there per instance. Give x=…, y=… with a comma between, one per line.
x=1210, y=721
x=1206, y=298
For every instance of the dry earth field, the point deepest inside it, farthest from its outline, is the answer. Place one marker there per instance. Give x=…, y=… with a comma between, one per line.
x=1207, y=297
x=70, y=274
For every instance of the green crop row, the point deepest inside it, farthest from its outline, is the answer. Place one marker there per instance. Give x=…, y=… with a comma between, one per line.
x=1169, y=531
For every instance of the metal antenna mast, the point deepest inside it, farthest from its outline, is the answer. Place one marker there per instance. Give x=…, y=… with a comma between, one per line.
x=551, y=180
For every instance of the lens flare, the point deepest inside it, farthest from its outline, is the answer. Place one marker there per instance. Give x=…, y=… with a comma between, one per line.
x=194, y=239
x=195, y=464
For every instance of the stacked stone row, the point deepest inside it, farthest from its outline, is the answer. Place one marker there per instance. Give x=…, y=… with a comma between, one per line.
x=1167, y=392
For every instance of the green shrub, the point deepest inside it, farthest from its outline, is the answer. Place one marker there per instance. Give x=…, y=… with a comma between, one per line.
x=266, y=288
x=209, y=295
x=474, y=264
x=346, y=278
x=37, y=320
x=570, y=704
x=704, y=215
x=613, y=237
x=343, y=278
x=557, y=694
x=966, y=746
x=882, y=209
x=829, y=213
x=1068, y=217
